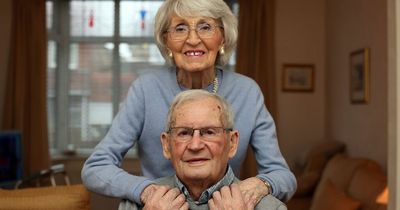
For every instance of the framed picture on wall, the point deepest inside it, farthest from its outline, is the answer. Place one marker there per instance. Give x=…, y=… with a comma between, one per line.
x=359, y=75
x=298, y=77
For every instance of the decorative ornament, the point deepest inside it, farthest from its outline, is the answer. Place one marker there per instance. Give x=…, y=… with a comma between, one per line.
x=142, y=18
x=91, y=19
x=222, y=50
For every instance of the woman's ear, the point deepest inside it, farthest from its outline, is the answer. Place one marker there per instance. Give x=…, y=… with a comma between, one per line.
x=165, y=145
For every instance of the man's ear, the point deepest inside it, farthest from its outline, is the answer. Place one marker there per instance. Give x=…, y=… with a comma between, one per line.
x=234, y=143
x=165, y=145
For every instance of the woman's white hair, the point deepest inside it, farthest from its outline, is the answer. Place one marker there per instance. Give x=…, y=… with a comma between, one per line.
x=226, y=117
x=216, y=9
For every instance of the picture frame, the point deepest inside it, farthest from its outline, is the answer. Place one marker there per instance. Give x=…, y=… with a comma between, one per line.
x=298, y=77
x=359, y=76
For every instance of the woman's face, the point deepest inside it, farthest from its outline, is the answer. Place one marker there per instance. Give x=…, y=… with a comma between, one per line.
x=194, y=52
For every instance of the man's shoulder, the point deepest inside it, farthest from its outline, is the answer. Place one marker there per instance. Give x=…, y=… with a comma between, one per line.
x=269, y=202
x=169, y=180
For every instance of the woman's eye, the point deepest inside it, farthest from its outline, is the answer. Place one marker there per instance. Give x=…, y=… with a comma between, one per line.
x=181, y=28
x=204, y=27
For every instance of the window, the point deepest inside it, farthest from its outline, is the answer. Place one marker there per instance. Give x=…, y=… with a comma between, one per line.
x=95, y=50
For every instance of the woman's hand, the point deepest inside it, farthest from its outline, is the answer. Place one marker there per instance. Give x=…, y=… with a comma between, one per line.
x=159, y=197
x=229, y=198
x=253, y=190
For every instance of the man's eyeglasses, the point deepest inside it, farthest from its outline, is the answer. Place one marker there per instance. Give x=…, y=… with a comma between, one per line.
x=206, y=133
x=203, y=30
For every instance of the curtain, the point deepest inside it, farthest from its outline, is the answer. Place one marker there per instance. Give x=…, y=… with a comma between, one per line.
x=255, y=57
x=25, y=97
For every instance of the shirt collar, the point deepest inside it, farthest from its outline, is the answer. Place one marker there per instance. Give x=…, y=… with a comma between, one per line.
x=206, y=195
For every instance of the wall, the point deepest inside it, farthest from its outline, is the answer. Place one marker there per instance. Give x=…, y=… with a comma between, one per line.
x=5, y=23
x=299, y=36
x=352, y=25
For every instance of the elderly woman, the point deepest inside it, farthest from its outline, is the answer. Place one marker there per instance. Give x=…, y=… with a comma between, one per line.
x=195, y=37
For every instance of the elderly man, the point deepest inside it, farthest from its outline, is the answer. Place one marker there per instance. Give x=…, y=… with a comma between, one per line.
x=199, y=141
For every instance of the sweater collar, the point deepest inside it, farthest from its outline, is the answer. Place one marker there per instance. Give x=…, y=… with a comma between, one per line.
x=206, y=195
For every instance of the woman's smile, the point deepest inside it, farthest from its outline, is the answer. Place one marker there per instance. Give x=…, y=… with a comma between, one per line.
x=194, y=53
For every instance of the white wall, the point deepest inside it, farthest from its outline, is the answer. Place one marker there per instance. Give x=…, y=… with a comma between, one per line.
x=5, y=23
x=300, y=38
x=352, y=25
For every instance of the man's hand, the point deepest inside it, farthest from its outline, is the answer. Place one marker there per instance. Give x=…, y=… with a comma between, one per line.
x=229, y=198
x=159, y=197
x=253, y=190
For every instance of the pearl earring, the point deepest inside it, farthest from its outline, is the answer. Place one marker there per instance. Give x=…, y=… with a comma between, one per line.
x=170, y=54
x=222, y=50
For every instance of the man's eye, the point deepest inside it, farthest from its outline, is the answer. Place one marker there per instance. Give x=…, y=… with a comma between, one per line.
x=204, y=27
x=209, y=132
x=184, y=133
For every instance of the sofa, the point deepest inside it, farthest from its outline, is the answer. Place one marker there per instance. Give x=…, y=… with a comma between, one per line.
x=73, y=197
x=346, y=183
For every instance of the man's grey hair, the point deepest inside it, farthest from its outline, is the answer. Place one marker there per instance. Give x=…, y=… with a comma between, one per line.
x=226, y=117
x=216, y=9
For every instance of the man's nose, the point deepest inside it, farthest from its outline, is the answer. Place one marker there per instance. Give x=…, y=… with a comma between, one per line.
x=196, y=142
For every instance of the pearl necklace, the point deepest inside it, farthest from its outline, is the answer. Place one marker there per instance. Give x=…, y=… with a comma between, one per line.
x=215, y=85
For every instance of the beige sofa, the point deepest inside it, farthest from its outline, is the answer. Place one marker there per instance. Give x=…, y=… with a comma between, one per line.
x=74, y=197
x=346, y=184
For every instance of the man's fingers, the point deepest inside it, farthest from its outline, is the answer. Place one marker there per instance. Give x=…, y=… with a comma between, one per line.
x=228, y=197
x=226, y=192
x=157, y=193
x=217, y=196
x=161, y=190
x=179, y=200
x=235, y=190
x=172, y=193
x=211, y=204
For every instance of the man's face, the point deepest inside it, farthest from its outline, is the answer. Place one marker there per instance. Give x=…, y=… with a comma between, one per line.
x=199, y=158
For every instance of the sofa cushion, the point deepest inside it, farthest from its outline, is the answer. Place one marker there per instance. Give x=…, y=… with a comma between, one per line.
x=307, y=183
x=368, y=185
x=316, y=160
x=46, y=198
x=340, y=169
x=331, y=198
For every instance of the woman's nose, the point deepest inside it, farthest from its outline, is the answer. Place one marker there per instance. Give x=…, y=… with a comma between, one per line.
x=193, y=38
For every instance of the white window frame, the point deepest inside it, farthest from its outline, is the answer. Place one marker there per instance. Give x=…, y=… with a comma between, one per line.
x=60, y=34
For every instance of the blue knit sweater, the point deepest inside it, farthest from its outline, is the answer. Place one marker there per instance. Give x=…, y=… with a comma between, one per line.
x=142, y=119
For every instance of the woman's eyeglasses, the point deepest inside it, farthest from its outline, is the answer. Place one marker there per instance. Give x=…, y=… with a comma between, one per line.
x=206, y=133
x=203, y=30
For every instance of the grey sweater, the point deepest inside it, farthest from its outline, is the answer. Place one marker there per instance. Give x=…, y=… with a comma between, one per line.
x=269, y=202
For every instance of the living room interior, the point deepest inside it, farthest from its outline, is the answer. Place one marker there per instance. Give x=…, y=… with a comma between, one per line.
x=323, y=35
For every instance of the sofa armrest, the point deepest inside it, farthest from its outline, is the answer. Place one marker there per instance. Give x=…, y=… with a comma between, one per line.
x=56, y=198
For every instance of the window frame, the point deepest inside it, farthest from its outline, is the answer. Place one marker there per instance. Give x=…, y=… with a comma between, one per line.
x=59, y=33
